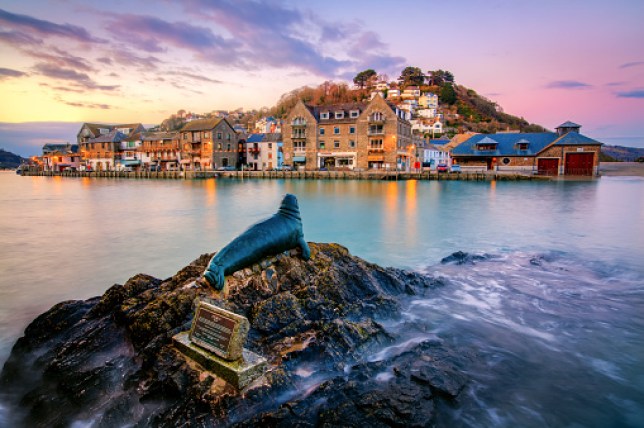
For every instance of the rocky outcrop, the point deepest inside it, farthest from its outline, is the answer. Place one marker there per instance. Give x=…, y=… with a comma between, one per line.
x=110, y=360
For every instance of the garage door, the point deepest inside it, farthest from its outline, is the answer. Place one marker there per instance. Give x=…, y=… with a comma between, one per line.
x=579, y=164
x=548, y=166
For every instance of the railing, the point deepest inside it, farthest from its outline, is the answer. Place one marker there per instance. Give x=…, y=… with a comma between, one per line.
x=297, y=135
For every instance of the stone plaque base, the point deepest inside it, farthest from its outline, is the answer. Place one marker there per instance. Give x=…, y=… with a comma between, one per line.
x=238, y=373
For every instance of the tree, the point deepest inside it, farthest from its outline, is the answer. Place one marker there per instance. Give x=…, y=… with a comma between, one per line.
x=364, y=77
x=448, y=94
x=411, y=76
x=439, y=77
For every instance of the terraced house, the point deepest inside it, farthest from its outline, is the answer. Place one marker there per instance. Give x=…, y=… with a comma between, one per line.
x=565, y=152
x=100, y=144
x=160, y=151
x=373, y=135
x=208, y=144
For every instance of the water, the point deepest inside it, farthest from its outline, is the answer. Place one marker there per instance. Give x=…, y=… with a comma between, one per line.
x=555, y=313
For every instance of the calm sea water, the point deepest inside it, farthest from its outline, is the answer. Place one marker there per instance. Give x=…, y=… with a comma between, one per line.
x=555, y=313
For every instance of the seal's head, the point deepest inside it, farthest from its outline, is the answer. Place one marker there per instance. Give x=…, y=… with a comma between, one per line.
x=289, y=207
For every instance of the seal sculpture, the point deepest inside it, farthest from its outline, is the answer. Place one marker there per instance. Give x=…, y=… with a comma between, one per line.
x=281, y=232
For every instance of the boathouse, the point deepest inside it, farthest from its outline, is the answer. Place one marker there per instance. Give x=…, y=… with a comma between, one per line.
x=565, y=152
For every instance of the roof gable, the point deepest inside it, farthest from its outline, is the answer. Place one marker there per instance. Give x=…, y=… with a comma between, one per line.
x=201, y=125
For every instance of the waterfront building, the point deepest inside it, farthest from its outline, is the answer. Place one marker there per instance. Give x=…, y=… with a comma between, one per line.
x=130, y=153
x=160, y=151
x=369, y=135
x=564, y=152
x=100, y=144
x=433, y=156
x=208, y=144
x=60, y=157
x=263, y=151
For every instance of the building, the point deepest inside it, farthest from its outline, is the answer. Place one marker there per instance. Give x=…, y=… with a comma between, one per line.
x=433, y=156
x=208, y=144
x=160, y=151
x=130, y=153
x=565, y=152
x=428, y=100
x=263, y=151
x=100, y=144
x=60, y=157
x=369, y=135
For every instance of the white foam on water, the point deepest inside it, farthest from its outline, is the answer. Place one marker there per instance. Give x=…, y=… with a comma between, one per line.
x=384, y=376
x=393, y=350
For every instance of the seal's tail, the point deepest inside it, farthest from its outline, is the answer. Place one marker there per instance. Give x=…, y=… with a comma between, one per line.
x=215, y=276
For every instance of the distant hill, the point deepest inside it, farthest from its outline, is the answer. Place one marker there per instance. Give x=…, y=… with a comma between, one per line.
x=622, y=154
x=9, y=160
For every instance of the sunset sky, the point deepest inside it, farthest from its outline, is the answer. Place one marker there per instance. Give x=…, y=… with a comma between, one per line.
x=69, y=61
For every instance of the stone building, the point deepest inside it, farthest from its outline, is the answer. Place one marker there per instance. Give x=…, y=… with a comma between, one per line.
x=100, y=144
x=369, y=135
x=565, y=152
x=160, y=151
x=208, y=144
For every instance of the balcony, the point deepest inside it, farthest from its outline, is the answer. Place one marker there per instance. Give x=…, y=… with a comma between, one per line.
x=298, y=135
x=376, y=131
x=376, y=149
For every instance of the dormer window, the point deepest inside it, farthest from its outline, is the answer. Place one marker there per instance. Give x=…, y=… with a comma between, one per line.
x=354, y=113
x=324, y=115
x=523, y=144
x=339, y=115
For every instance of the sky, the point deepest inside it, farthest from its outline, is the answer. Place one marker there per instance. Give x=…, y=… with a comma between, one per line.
x=65, y=62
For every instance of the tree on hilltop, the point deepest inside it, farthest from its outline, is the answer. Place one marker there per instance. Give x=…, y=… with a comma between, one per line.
x=439, y=77
x=448, y=94
x=363, y=78
x=411, y=76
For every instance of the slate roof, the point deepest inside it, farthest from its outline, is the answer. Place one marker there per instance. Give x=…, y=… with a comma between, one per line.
x=113, y=136
x=264, y=138
x=505, y=144
x=154, y=136
x=201, y=124
x=569, y=124
x=509, y=144
x=575, y=139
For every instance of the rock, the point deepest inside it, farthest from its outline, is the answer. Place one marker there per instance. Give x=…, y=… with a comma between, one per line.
x=111, y=360
x=461, y=258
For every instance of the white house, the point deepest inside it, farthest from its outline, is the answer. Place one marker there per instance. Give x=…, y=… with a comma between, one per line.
x=263, y=151
x=432, y=156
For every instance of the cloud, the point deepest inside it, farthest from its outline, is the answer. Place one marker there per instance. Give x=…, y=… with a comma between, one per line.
x=152, y=34
x=26, y=139
x=192, y=76
x=8, y=72
x=17, y=38
x=567, y=84
x=125, y=57
x=79, y=79
x=84, y=105
x=61, y=59
x=46, y=28
x=637, y=93
x=632, y=64
x=275, y=35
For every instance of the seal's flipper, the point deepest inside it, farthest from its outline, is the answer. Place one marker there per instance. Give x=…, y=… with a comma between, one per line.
x=306, y=251
x=214, y=275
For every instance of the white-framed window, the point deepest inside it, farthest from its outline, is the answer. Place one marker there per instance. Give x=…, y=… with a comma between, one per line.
x=336, y=130
x=324, y=115
x=339, y=115
x=354, y=113
x=299, y=146
x=336, y=144
x=322, y=145
x=321, y=131
x=352, y=143
x=352, y=130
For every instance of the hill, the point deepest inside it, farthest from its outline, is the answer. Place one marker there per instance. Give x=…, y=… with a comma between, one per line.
x=622, y=154
x=9, y=160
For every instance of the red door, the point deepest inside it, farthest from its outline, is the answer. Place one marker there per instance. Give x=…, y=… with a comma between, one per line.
x=579, y=163
x=548, y=167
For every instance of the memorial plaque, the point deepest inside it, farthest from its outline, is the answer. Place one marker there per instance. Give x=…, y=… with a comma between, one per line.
x=219, y=331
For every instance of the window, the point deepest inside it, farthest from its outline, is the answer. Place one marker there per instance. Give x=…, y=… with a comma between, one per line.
x=377, y=116
x=352, y=144
x=375, y=144
x=339, y=115
x=185, y=136
x=298, y=121
x=204, y=134
x=336, y=144
x=228, y=136
x=376, y=129
x=322, y=146
x=219, y=146
x=352, y=130
x=354, y=113
x=336, y=130
x=321, y=131
x=219, y=135
x=228, y=147
x=270, y=145
x=299, y=146
x=324, y=115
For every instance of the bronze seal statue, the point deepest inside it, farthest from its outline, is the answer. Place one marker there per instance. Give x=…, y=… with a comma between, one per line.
x=281, y=232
